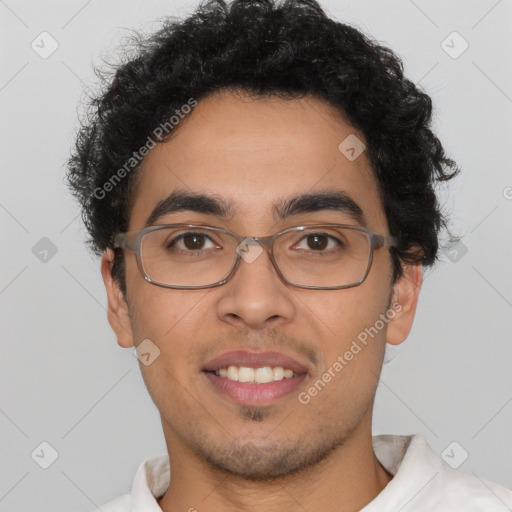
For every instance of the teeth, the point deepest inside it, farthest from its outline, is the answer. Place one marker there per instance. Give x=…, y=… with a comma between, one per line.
x=263, y=375
x=245, y=374
x=232, y=373
x=260, y=375
x=278, y=373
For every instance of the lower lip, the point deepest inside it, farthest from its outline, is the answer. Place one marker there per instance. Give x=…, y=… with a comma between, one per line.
x=249, y=393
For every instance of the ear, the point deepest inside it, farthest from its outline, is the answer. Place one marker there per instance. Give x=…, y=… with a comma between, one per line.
x=405, y=295
x=117, y=313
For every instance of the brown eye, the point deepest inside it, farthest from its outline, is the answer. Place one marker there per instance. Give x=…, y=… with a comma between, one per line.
x=193, y=241
x=317, y=242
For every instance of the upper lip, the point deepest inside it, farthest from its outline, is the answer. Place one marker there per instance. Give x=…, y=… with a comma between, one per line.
x=254, y=360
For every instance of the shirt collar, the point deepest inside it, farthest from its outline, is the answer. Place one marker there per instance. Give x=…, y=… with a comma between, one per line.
x=150, y=482
x=413, y=464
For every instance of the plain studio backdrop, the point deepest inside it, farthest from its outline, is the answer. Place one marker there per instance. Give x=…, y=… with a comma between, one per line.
x=67, y=384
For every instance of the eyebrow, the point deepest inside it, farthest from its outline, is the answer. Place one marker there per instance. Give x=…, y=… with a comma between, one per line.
x=180, y=200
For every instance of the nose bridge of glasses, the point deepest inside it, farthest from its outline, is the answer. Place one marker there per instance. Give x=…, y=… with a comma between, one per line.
x=265, y=241
x=251, y=248
x=246, y=241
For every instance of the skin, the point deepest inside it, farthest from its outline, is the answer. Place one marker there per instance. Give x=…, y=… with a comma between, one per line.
x=319, y=456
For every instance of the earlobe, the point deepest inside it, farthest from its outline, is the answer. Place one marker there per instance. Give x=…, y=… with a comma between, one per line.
x=118, y=314
x=405, y=295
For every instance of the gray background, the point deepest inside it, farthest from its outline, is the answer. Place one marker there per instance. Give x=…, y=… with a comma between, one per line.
x=65, y=381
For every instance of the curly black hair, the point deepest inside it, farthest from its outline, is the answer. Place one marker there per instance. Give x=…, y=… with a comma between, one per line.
x=264, y=47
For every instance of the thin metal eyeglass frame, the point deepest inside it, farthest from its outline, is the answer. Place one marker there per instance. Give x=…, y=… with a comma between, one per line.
x=132, y=241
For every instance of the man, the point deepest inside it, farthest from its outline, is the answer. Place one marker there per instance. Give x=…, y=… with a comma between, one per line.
x=259, y=180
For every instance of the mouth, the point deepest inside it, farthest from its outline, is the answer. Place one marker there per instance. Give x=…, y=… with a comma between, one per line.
x=254, y=378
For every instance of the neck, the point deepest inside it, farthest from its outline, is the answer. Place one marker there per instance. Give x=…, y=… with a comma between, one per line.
x=347, y=480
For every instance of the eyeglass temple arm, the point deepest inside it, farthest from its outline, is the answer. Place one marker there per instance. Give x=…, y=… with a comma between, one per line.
x=383, y=241
x=121, y=240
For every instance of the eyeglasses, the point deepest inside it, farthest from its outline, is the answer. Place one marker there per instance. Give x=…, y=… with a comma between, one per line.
x=188, y=256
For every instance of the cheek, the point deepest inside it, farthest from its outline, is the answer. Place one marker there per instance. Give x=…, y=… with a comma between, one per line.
x=170, y=321
x=157, y=311
x=169, y=318
x=352, y=354
x=341, y=315
x=354, y=334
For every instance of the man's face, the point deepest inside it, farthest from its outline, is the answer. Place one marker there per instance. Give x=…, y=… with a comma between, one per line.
x=254, y=154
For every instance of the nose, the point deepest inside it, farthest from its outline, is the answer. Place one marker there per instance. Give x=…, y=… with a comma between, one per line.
x=255, y=296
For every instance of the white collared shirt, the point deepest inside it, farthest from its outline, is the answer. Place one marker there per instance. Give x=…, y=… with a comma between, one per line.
x=421, y=482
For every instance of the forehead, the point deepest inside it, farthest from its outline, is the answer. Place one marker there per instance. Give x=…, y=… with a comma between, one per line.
x=255, y=153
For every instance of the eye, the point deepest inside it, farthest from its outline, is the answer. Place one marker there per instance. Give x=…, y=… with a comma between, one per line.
x=318, y=242
x=191, y=242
